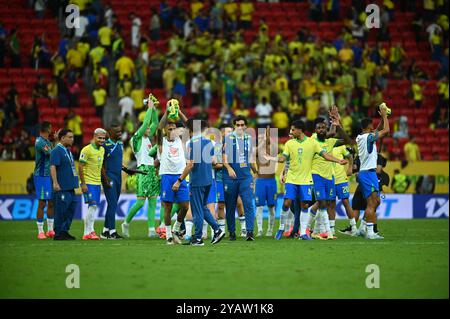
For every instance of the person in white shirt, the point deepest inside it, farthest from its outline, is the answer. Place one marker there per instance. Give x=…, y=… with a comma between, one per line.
x=367, y=177
x=109, y=16
x=155, y=25
x=264, y=111
x=84, y=22
x=432, y=29
x=126, y=105
x=195, y=90
x=135, y=31
x=39, y=7
x=172, y=164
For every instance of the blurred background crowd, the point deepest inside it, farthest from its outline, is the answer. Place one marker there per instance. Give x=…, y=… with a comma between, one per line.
x=271, y=61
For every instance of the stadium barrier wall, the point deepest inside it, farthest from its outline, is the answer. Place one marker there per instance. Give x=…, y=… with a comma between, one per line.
x=14, y=175
x=393, y=206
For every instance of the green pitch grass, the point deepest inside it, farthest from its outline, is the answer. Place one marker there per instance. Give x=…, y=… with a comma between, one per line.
x=413, y=263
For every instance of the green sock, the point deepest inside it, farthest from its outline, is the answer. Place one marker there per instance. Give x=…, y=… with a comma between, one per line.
x=151, y=212
x=175, y=209
x=134, y=209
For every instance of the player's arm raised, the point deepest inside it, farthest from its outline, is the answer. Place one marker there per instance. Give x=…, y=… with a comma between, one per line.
x=385, y=126
x=344, y=139
x=183, y=117
x=163, y=122
x=154, y=117
x=148, y=117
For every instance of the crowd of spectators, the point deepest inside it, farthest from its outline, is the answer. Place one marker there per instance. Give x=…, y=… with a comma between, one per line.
x=271, y=80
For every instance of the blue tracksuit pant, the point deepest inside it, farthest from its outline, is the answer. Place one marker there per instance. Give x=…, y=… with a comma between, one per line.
x=198, y=200
x=112, y=198
x=234, y=188
x=65, y=203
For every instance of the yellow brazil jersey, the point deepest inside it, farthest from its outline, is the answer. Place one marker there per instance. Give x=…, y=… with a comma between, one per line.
x=123, y=66
x=247, y=9
x=92, y=157
x=231, y=9
x=99, y=96
x=300, y=155
x=321, y=166
x=104, y=35
x=196, y=7
x=340, y=171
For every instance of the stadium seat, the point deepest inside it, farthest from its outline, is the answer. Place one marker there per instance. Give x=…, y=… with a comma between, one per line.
x=441, y=132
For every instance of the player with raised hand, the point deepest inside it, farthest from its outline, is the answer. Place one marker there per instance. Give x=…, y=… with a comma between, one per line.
x=90, y=173
x=172, y=164
x=367, y=178
x=147, y=181
x=300, y=151
x=342, y=187
x=43, y=181
x=323, y=171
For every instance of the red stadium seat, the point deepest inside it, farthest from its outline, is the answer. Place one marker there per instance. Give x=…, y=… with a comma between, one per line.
x=441, y=132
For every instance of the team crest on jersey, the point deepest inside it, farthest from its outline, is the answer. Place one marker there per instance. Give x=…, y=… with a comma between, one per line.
x=62, y=197
x=164, y=194
x=46, y=194
x=99, y=158
x=225, y=188
x=173, y=151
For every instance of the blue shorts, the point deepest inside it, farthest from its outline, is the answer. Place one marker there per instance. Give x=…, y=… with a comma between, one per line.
x=43, y=186
x=220, y=192
x=301, y=192
x=323, y=188
x=92, y=197
x=265, y=191
x=168, y=195
x=342, y=190
x=212, y=195
x=368, y=181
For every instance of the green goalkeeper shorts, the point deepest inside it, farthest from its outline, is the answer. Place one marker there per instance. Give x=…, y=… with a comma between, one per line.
x=148, y=185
